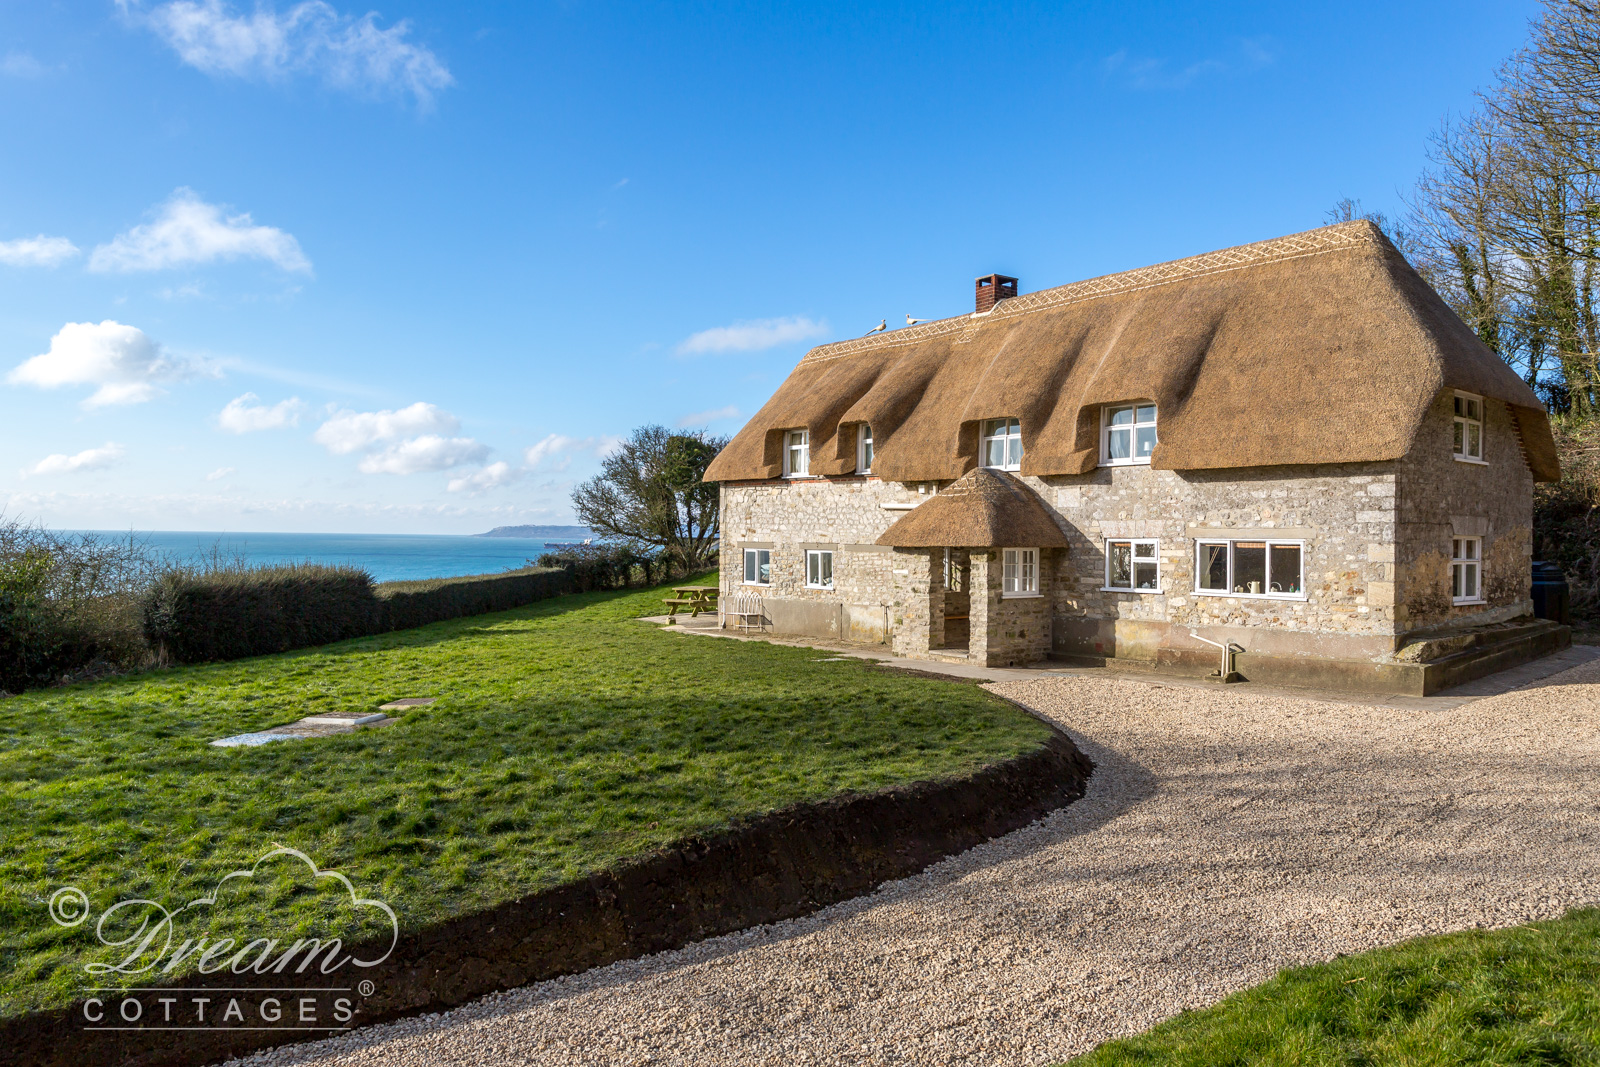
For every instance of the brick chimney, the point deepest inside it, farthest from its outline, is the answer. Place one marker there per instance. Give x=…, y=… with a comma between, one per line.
x=993, y=288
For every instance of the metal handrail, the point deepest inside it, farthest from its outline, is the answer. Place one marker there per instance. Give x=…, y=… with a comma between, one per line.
x=1225, y=672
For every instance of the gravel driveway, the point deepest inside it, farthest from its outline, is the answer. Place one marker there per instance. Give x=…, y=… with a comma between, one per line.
x=1226, y=834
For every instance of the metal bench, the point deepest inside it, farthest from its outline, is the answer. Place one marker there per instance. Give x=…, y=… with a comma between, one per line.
x=745, y=607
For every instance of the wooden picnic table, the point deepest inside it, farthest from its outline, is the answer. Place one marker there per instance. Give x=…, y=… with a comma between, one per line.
x=696, y=598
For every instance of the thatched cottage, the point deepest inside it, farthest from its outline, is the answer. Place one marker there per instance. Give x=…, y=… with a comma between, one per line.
x=1293, y=446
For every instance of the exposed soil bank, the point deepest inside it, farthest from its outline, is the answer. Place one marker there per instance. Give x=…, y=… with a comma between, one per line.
x=781, y=865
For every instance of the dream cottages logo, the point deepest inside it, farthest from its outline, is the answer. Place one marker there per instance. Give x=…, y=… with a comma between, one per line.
x=315, y=992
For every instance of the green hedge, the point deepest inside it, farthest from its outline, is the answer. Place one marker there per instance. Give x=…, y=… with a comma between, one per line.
x=196, y=617
x=409, y=604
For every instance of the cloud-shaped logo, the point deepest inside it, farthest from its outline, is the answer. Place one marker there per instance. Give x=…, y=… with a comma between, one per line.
x=153, y=928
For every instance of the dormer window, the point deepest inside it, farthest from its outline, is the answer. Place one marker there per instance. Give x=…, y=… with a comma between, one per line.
x=864, y=449
x=797, y=454
x=1468, y=445
x=1127, y=434
x=1002, y=444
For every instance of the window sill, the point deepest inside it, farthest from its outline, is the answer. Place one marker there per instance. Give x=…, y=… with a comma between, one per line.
x=1251, y=596
x=1124, y=463
x=820, y=588
x=1014, y=470
x=1470, y=459
x=800, y=477
x=1020, y=596
x=1146, y=592
x=1479, y=602
x=756, y=585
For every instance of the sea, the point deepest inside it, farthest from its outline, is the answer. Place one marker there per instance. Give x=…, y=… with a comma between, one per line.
x=388, y=557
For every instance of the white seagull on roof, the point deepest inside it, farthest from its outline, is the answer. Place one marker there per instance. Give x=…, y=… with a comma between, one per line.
x=911, y=321
x=884, y=325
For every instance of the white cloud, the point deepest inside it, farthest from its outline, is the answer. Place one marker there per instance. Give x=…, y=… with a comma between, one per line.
x=242, y=415
x=700, y=418
x=1149, y=72
x=187, y=230
x=40, y=251
x=122, y=360
x=753, y=335
x=429, y=452
x=219, y=474
x=88, y=460
x=21, y=65
x=560, y=450
x=351, y=431
x=309, y=38
x=491, y=477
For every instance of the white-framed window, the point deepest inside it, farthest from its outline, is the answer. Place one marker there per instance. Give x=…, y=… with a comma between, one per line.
x=819, y=569
x=1133, y=566
x=1269, y=569
x=864, y=449
x=955, y=575
x=1127, y=434
x=758, y=566
x=1468, y=441
x=1019, y=572
x=1002, y=444
x=1466, y=570
x=797, y=454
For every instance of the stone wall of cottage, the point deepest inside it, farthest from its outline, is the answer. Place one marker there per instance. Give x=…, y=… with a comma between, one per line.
x=1376, y=554
x=845, y=516
x=1441, y=498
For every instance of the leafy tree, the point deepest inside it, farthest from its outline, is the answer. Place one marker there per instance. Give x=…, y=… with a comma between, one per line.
x=649, y=494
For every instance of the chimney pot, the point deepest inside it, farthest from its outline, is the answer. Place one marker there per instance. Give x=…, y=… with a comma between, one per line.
x=993, y=288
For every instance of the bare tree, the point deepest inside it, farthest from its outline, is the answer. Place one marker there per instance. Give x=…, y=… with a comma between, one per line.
x=649, y=493
x=1504, y=223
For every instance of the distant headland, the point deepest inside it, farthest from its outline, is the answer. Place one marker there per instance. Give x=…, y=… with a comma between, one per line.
x=569, y=533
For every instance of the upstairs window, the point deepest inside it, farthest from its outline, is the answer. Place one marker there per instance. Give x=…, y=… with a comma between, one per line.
x=1127, y=434
x=1466, y=570
x=1469, y=428
x=797, y=454
x=1002, y=444
x=1019, y=574
x=758, y=566
x=864, y=449
x=1133, y=566
x=1250, y=568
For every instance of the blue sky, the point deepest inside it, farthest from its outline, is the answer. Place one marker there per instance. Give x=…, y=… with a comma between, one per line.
x=314, y=266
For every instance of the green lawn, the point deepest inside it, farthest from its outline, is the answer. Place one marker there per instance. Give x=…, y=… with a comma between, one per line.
x=566, y=736
x=1528, y=995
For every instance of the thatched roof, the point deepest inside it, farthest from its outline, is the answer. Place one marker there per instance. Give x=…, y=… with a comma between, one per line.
x=985, y=508
x=1321, y=347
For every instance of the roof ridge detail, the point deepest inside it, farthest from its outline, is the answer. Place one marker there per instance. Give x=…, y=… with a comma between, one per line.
x=1338, y=237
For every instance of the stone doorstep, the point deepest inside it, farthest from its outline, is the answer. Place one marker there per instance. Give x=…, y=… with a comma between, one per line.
x=1440, y=646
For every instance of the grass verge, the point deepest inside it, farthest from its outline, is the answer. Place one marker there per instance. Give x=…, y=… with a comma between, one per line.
x=567, y=736
x=1529, y=995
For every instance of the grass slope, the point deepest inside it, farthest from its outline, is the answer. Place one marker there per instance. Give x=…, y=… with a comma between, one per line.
x=1524, y=996
x=566, y=737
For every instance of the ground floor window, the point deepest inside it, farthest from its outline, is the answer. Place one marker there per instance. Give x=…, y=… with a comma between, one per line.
x=819, y=569
x=1250, y=568
x=1133, y=566
x=757, y=566
x=1019, y=574
x=1466, y=570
